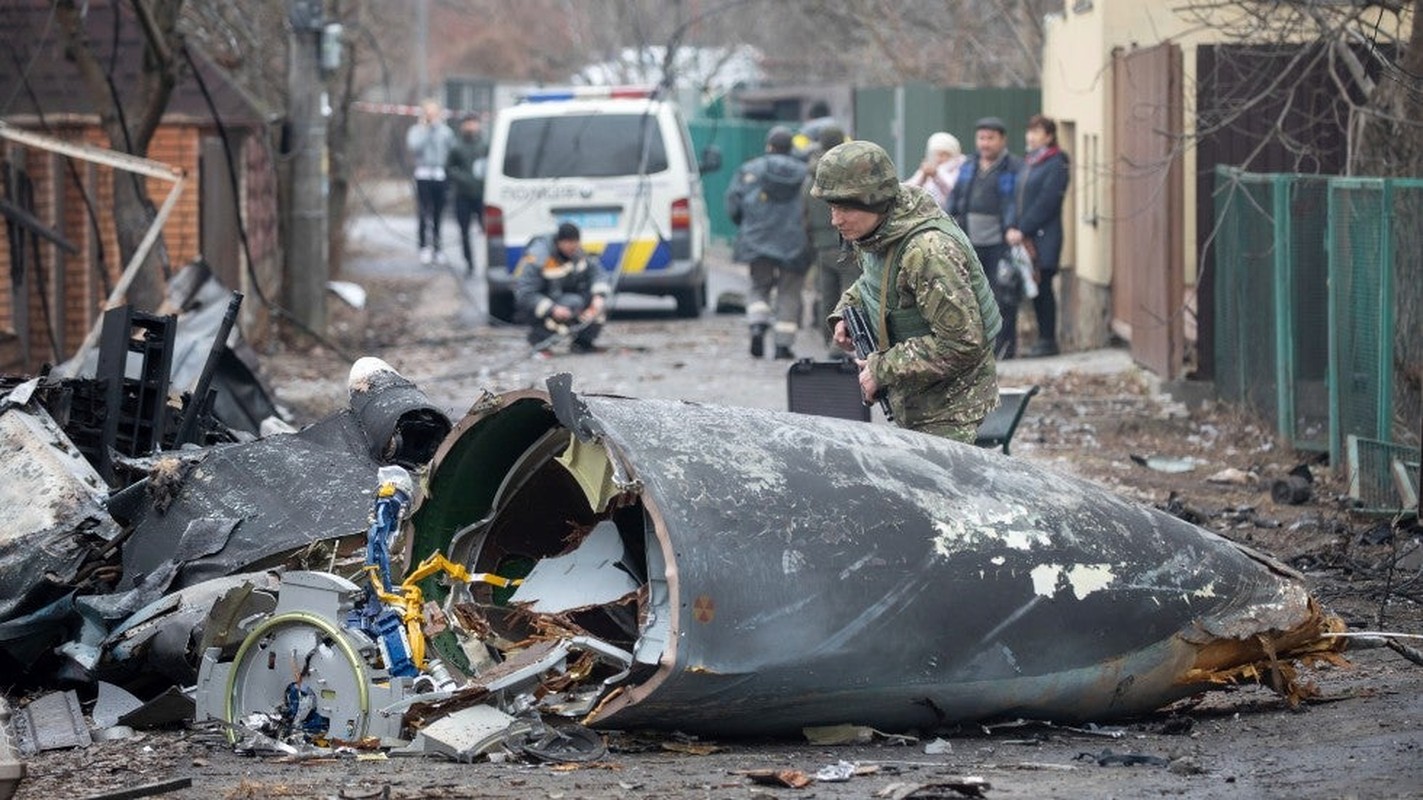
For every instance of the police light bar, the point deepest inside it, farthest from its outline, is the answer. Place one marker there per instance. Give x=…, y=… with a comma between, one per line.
x=590, y=93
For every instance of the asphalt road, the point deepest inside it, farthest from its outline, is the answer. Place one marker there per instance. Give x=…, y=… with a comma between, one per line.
x=649, y=351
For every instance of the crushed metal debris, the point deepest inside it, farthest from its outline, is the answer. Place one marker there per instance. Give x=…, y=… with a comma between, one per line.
x=555, y=565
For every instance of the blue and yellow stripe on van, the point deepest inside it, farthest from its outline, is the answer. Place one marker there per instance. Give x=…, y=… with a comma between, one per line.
x=638, y=255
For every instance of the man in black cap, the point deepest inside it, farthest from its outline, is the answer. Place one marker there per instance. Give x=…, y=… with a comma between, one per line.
x=984, y=204
x=764, y=202
x=559, y=289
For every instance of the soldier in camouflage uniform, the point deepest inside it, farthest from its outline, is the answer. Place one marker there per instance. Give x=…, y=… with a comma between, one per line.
x=922, y=290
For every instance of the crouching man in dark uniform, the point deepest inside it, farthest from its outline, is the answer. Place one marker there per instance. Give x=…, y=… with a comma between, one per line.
x=560, y=289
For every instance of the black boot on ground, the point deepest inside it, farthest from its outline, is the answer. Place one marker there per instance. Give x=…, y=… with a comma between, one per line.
x=784, y=352
x=758, y=341
x=1046, y=347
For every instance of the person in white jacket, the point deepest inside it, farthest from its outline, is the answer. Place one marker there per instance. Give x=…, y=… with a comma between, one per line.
x=943, y=156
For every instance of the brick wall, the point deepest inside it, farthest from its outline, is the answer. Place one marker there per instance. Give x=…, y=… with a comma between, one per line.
x=73, y=288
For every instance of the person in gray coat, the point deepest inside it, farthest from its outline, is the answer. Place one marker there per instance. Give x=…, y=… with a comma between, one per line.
x=764, y=202
x=428, y=142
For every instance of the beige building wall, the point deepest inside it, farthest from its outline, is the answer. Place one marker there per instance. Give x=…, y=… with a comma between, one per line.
x=1077, y=91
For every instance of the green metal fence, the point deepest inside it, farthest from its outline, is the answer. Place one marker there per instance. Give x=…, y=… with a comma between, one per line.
x=900, y=119
x=1374, y=234
x=739, y=140
x=1306, y=295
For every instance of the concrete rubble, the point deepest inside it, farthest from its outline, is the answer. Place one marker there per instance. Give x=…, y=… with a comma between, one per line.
x=553, y=565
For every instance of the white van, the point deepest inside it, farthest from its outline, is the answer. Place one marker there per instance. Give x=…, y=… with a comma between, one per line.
x=618, y=163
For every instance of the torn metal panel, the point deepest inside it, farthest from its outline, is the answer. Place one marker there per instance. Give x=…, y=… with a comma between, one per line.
x=809, y=571
x=243, y=399
x=169, y=708
x=289, y=492
x=54, y=501
x=26, y=638
x=590, y=575
x=51, y=722
x=164, y=640
x=111, y=704
x=466, y=734
x=589, y=464
x=285, y=493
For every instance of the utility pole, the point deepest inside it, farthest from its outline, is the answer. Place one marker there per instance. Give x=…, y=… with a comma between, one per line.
x=422, y=48
x=308, y=264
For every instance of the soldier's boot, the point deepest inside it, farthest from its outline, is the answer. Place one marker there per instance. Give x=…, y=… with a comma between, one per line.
x=758, y=341
x=1046, y=347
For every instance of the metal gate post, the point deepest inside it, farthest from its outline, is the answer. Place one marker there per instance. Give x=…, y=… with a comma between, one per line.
x=1384, y=411
x=1331, y=370
x=1280, y=185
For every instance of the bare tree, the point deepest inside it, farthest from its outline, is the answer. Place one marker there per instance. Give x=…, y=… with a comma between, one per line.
x=1374, y=74
x=247, y=40
x=863, y=42
x=250, y=42
x=880, y=42
x=130, y=115
x=1371, y=52
x=1391, y=139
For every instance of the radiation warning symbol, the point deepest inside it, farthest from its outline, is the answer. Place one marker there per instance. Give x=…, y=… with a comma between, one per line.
x=703, y=609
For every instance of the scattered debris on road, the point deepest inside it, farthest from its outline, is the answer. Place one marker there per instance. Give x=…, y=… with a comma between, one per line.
x=555, y=565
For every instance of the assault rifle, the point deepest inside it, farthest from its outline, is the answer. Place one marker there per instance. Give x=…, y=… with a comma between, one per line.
x=863, y=337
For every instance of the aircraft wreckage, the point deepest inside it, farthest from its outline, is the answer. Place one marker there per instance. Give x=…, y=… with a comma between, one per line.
x=655, y=564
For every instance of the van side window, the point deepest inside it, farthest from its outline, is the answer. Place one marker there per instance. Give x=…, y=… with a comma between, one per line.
x=584, y=146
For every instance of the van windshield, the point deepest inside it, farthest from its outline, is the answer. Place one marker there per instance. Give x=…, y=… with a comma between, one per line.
x=583, y=146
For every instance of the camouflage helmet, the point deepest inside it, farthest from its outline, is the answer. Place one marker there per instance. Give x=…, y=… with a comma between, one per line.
x=857, y=173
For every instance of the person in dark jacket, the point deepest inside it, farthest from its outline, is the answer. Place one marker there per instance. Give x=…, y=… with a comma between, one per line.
x=465, y=168
x=1042, y=185
x=984, y=204
x=835, y=266
x=561, y=290
x=764, y=202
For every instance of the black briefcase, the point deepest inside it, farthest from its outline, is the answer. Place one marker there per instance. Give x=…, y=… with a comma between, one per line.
x=826, y=388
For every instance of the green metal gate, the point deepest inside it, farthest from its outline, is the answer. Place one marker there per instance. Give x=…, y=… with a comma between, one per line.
x=740, y=141
x=900, y=119
x=1272, y=340
x=1375, y=224
x=1307, y=292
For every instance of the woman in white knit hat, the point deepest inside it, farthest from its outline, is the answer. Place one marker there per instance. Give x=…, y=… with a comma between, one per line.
x=942, y=158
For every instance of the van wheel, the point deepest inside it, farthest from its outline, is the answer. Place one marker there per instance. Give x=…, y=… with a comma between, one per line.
x=501, y=305
x=690, y=302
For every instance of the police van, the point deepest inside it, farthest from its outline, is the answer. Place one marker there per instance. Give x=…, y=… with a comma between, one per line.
x=618, y=163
